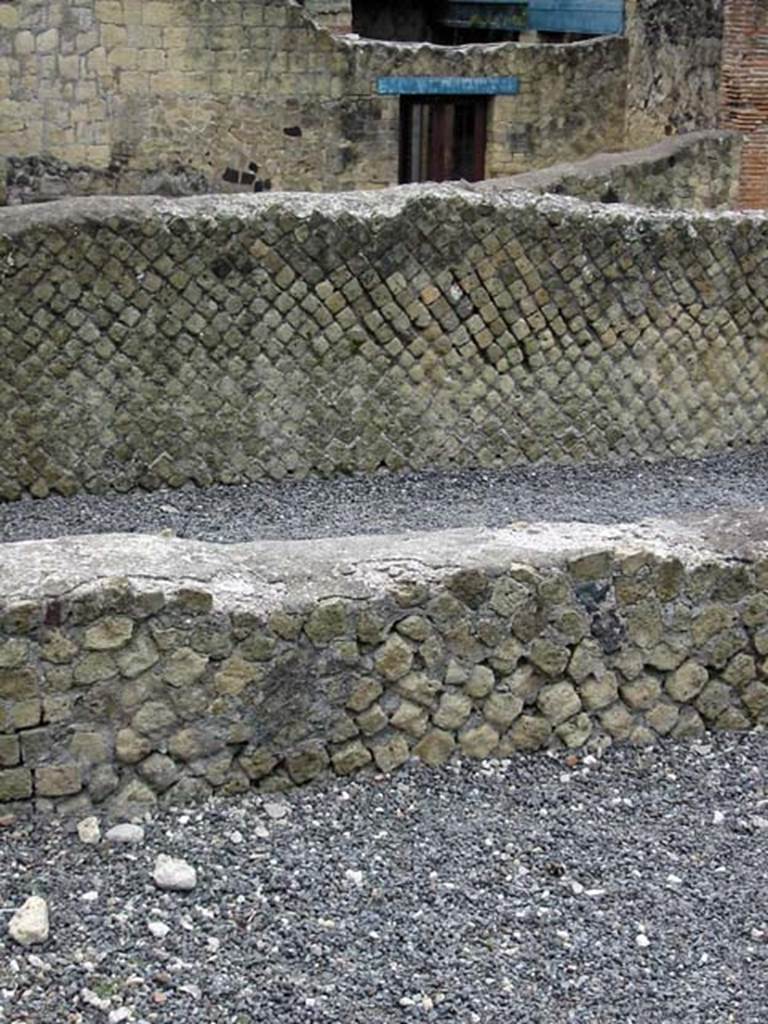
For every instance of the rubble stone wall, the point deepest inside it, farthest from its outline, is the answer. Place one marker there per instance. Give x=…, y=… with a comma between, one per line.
x=674, y=68
x=696, y=171
x=346, y=656
x=151, y=342
x=126, y=96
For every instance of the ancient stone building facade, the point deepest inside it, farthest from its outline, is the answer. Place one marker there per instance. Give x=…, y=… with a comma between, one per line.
x=180, y=96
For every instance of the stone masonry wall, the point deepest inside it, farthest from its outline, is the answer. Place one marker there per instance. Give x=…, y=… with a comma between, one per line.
x=324, y=657
x=697, y=171
x=152, y=342
x=126, y=96
x=673, y=75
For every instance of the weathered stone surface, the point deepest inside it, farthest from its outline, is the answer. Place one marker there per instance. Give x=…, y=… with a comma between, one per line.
x=108, y=634
x=257, y=762
x=160, y=771
x=58, y=779
x=479, y=740
x=153, y=717
x=436, y=747
x=90, y=747
x=410, y=718
x=13, y=653
x=394, y=659
x=58, y=648
x=617, y=721
x=30, y=924
x=174, y=873
x=184, y=667
x=364, y=693
x=391, y=753
x=415, y=627
x=527, y=733
x=576, y=731
x=10, y=752
x=193, y=742
x=688, y=681
x=133, y=797
x=139, y=656
x=550, y=657
x=307, y=764
x=662, y=717
x=373, y=720
x=453, y=711
x=481, y=681
x=558, y=701
x=641, y=693
x=501, y=709
x=689, y=724
x=94, y=667
x=103, y=782
x=15, y=784
x=598, y=693
x=131, y=747
x=350, y=758
x=327, y=621
x=235, y=675
x=420, y=688
x=713, y=699
x=17, y=684
x=755, y=697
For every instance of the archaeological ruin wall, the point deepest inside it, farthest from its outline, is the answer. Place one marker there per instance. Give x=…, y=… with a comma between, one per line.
x=183, y=96
x=674, y=67
x=138, y=670
x=154, y=342
x=695, y=171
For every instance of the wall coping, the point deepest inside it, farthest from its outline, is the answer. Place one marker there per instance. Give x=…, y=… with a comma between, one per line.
x=266, y=574
x=386, y=203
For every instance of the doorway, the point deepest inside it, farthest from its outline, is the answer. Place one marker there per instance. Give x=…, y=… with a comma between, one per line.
x=443, y=138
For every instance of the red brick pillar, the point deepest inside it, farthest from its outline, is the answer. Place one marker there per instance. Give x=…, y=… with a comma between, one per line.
x=744, y=98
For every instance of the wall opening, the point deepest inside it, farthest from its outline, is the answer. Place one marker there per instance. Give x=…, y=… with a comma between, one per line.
x=443, y=138
x=445, y=22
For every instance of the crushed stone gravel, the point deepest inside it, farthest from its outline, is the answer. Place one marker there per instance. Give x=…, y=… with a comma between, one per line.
x=545, y=889
x=394, y=503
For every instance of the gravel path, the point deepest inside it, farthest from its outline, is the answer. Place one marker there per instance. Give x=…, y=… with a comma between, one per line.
x=542, y=890
x=386, y=503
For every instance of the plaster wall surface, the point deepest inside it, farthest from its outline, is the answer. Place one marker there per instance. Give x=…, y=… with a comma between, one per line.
x=151, y=342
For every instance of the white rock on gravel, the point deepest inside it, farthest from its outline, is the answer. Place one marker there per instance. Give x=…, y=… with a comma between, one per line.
x=89, y=831
x=276, y=811
x=29, y=926
x=174, y=873
x=158, y=928
x=125, y=833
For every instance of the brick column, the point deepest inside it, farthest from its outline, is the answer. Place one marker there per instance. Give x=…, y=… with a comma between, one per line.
x=744, y=96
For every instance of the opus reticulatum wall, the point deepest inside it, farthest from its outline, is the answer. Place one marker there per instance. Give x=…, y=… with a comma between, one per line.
x=138, y=669
x=150, y=342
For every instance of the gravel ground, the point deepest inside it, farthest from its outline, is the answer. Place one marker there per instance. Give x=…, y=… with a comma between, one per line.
x=544, y=889
x=386, y=503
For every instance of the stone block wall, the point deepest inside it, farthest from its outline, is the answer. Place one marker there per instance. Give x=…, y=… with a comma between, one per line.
x=125, y=96
x=151, y=342
x=697, y=171
x=277, y=663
